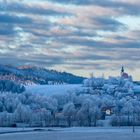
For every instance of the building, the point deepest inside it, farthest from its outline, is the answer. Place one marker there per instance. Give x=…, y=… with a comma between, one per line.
x=107, y=111
x=125, y=75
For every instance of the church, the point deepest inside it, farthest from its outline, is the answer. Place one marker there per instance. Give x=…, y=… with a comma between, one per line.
x=136, y=87
x=125, y=75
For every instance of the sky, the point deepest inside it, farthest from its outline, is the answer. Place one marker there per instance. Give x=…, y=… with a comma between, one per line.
x=77, y=36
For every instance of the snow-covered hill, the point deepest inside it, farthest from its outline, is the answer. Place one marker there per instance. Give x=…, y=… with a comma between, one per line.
x=37, y=75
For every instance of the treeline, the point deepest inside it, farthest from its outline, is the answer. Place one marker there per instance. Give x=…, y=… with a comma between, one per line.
x=10, y=86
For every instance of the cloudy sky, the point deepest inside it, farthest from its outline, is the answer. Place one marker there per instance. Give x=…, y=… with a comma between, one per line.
x=78, y=36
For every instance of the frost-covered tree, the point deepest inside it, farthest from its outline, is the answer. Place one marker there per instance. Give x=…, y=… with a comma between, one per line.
x=95, y=83
x=89, y=112
x=128, y=109
x=69, y=112
x=10, y=86
x=22, y=113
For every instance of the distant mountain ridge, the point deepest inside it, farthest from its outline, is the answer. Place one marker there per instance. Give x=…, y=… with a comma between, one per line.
x=36, y=75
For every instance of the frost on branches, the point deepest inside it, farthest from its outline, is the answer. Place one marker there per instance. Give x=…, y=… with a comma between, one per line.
x=99, y=100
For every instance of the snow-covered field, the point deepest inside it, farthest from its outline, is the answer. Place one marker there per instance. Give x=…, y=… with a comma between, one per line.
x=76, y=134
x=49, y=90
x=53, y=89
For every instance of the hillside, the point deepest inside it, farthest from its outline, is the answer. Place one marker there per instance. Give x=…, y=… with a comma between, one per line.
x=37, y=75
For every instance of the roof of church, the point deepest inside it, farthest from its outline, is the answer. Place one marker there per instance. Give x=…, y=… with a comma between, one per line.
x=125, y=75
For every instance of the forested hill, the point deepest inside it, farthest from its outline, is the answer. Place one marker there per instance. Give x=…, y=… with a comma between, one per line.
x=37, y=75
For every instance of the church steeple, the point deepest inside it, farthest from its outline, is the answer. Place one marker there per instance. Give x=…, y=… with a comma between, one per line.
x=122, y=70
x=124, y=75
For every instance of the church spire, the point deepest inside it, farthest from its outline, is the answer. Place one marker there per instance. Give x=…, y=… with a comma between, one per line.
x=122, y=70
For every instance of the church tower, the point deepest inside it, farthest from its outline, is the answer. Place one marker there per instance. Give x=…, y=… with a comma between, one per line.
x=122, y=71
x=124, y=74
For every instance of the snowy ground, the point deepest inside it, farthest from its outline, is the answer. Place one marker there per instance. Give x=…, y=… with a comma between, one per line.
x=49, y=90
x=76, y=134
x=53, y=89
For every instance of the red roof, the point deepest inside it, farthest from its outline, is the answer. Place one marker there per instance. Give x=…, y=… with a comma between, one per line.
x=125, y=75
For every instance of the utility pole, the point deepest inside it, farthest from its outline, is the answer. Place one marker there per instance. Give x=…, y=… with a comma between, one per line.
x=133, y=121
